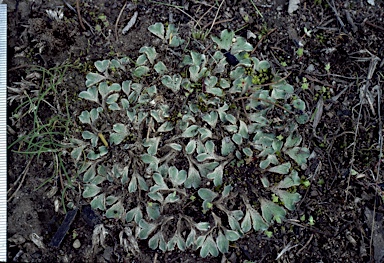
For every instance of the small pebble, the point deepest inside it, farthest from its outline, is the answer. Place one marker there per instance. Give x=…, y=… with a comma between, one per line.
x=77, y=244
x=310, y=68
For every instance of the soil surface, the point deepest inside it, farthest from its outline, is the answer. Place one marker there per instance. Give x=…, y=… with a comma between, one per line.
x=339, y=76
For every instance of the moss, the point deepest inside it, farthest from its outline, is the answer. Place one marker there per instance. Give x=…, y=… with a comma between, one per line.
x=324, y=92
x=262, y=77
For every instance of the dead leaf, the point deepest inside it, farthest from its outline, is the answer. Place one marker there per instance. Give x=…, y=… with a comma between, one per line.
x=98, y=236
x=318, y=113
x=37, y=240
x=293, y=6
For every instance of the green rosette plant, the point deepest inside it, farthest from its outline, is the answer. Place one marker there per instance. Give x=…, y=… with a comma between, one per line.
x=156, y=134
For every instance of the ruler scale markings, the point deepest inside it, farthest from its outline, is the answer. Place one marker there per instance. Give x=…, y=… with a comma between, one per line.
x=3, y=133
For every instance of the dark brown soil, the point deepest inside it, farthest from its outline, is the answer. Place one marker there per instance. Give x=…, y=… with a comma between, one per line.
x=345, y=205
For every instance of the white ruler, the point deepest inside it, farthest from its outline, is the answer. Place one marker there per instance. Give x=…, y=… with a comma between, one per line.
x=3, y=132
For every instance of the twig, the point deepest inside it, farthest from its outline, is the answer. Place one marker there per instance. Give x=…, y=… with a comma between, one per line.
x=337, y=14
x=214, y=20
x=378, y=166
x=380, y=132
x=198, y=21
x=317, y=171
x=161, y=3
x=312, y=229
x=24, y=173
x=22, y=66
x=203, y=3
x=306, y=244
x=373, y=25
x=79, y=14
x=318, y=81
x=85, y=21
x=286, y=249
x=118, y=19
x=257, y=10
x=217, y=22
x=372, y=68
x=58, y=171
x=177, y=7
x=332, y=75
x=261, y=40
x=350, y=20
x=208, y=47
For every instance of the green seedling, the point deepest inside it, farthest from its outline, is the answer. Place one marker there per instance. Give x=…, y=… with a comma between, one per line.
x=311, y=221
x=305, y=84
x=327, y=67
x=300, y=52
x=269, y=234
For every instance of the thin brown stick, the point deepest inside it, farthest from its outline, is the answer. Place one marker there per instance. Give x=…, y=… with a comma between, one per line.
x=79, y=14
x=59, y=172
x=312, y=229
x=214, y=20
x=377, y=179
x=185, y=13
x=373, y=25
x=198, y=21
x=22, y=66
x=208, y=47
x=22, y=176
x=118, y=19
x=371, y=70
x=306, y=244
x=218, y=22
x=336, y=14
x=318, y=81
x=262, y=39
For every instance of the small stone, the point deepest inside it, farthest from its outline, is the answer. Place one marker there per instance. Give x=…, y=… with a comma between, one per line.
x=314, y=193
x=76, y=244
x=310, y=68
x=17, y=239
